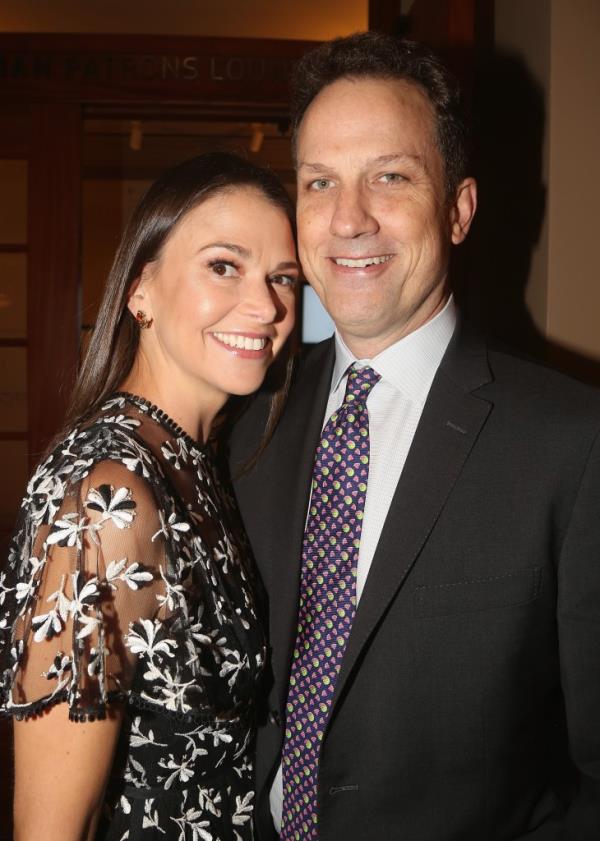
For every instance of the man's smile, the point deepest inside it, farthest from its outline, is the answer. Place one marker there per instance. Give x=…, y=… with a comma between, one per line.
x=361, y=262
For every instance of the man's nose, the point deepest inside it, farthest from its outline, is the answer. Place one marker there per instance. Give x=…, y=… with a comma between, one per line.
x=352, y=215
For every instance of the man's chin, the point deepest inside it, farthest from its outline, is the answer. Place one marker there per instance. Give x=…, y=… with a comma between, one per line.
x=358, y=321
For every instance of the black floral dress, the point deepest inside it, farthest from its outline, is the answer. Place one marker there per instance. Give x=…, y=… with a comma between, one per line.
x=128, y=582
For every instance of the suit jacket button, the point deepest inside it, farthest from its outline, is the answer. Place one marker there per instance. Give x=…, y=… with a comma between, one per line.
x=274, y=717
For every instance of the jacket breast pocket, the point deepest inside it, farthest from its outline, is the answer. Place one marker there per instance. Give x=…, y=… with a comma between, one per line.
x=512, y=588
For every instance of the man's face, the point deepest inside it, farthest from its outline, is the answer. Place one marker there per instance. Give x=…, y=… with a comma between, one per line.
x=374, y=221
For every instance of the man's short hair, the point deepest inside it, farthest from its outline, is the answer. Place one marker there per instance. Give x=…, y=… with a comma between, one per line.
x=378, y=56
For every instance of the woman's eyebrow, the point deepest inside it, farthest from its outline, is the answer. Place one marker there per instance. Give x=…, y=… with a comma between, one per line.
x=289, y=265
x=231, y=246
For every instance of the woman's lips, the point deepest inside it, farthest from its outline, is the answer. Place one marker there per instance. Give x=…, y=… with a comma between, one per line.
x=244, y=345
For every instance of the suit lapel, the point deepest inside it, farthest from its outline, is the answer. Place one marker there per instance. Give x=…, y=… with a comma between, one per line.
x=290, y=471
x=449, y=426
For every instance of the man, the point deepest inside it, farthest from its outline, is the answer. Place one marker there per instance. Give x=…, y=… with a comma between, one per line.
x=426, y=515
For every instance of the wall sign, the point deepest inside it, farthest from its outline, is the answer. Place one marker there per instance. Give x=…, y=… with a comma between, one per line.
x=143, y=68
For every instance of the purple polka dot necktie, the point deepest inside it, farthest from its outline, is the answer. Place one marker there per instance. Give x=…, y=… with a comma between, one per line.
x=327, y=597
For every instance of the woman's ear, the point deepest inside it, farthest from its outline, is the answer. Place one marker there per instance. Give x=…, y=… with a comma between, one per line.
x=138, y=298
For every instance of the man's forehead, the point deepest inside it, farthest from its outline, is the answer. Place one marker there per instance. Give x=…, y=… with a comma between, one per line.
x=359, y=146
x=368, y=105
x=361, y=88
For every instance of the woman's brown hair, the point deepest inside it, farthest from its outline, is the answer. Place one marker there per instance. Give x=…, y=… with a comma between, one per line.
x=115, y=340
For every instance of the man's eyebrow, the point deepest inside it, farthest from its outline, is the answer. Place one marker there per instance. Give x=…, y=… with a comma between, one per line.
x=390, y=159
x=230, y=246
x=316, y=167
x=379, y=161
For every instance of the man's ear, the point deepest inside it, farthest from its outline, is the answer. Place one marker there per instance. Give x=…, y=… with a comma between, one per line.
x=138, y=298
x=463, y=209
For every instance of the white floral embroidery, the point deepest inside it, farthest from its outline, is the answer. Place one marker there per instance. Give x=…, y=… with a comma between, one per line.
x=151, y=818
x=47, y=625
x=68, y=530
x=115, y=506
x=171, y=527
x=192, y=820
x=133, y=576
x=144, y=642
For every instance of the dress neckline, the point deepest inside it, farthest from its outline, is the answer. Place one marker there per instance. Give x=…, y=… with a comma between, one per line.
x=165, y=420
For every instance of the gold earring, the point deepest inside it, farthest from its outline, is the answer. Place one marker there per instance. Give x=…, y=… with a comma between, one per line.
x=143, y=322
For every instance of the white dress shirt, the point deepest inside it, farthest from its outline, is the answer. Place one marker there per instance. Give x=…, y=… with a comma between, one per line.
x=395, y=405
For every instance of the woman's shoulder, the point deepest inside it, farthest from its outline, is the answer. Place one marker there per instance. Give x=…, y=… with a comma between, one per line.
x=104, y=451
x=111, y=434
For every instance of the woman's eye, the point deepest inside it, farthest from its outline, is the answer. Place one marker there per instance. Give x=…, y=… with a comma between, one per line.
x=224, y=268
x=320, y=184
x=284, y=279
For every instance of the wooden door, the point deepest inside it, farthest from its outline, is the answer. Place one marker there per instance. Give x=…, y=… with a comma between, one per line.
x=39, y=264
x=15, y=133
x=15, y=136
x=39, y=256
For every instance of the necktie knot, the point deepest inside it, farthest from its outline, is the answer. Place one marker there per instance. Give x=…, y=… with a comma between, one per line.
x=359, y=384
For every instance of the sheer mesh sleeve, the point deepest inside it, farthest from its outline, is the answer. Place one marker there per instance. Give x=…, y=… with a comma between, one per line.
x=91, y=598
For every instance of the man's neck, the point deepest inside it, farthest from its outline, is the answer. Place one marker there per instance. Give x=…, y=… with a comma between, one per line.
x=368, y=347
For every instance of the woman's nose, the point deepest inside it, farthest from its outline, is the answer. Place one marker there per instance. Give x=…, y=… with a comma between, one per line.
x=260, y=301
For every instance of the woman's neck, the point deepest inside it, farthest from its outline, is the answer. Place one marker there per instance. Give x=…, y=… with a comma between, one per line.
x=190, y=404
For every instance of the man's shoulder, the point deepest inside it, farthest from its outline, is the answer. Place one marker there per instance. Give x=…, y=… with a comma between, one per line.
x=529, y=396
x=537, y=389
x=515, y=369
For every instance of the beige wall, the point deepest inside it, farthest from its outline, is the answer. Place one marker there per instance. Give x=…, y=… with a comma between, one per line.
x=558, y=40
x=574, y=177
x=301, y=19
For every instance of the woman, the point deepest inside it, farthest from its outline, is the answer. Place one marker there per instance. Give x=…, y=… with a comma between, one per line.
x=129, y=604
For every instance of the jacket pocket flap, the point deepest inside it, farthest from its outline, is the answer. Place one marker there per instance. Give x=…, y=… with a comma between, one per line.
x=513, y=588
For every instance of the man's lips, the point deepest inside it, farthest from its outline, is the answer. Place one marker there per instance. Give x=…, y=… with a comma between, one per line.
x=361, y=262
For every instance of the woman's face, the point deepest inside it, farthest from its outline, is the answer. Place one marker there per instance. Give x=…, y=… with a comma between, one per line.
x=221, y=295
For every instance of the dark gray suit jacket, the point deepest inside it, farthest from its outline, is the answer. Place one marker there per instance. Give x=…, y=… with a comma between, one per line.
x=468, y=704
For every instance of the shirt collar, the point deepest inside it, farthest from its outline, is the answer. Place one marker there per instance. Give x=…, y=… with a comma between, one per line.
x=411, y=363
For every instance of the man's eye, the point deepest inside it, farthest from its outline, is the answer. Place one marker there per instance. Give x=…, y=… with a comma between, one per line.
x=391, y=178
x=320, y=184
x=223, y=268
